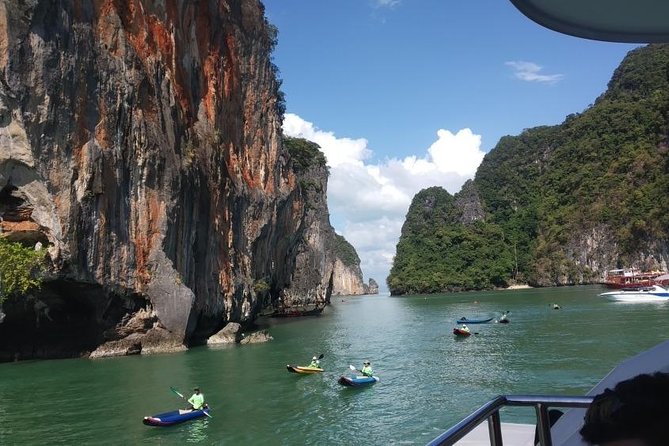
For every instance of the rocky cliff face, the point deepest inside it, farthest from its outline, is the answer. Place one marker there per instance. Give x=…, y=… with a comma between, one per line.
x=329, y=260
x=469, y=204
x=347, y=280
x=140, y=142
x=372, y=287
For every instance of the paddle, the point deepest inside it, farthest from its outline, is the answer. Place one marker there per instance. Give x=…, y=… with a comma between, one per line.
x=181, y=395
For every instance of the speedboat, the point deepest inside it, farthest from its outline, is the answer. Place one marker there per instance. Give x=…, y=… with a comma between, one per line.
x=653, y=293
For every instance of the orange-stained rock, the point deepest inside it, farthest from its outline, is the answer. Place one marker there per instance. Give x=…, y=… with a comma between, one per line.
x=144, y=136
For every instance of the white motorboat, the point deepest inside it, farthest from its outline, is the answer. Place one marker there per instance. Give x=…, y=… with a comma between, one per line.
x=653, y=293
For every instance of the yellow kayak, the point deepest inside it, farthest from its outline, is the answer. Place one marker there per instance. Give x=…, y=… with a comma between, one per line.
x=300, y=369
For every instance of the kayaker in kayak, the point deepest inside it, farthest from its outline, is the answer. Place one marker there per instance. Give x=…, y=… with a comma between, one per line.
x=196, y=401
x=367, y=368
x=315, y=362
x=465, y=328
x=504, y=318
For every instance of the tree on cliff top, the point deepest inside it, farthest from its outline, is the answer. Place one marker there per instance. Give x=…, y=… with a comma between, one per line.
x=20, y=268
x=304, y=153
x=345, y=251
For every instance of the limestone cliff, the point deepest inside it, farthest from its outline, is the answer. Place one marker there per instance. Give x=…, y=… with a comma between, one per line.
x=348, y=275
x=329, y=257
x=372, y=287
x=140, y=142
x=347, y=280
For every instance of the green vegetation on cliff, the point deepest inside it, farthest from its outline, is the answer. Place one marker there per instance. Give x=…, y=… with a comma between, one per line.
x=561, y=204
x=345, y=251
x=19, y=268
x=305, y=154
x=436, y=253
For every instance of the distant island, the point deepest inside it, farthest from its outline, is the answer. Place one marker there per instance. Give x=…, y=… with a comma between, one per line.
x=555, y=205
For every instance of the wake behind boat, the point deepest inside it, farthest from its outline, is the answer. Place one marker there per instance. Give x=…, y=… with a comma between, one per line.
x=653, y=293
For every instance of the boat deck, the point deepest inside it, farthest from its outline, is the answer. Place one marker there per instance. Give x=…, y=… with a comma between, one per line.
x=512, y=434
x=474, y=429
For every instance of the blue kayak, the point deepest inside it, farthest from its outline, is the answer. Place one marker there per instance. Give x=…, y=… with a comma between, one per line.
x=358, y=381
x=174, y=417
x=464, y=320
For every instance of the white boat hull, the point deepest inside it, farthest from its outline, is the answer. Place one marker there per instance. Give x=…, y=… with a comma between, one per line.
x=650, y=294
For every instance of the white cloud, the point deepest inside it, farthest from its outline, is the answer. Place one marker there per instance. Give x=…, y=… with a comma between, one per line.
x=368, y=202
x=339, y=150
x=386, y=3
x=530, y=72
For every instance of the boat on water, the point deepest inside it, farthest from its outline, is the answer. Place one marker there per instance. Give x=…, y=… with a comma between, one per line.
x=653, y=293
x=460, y=332
x=633, y=278
x=303, y=369
x=464, y=320
x=174, y=417
x=358, y=381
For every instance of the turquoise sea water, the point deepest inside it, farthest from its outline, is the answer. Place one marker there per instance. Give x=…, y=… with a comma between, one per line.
x=429, y=379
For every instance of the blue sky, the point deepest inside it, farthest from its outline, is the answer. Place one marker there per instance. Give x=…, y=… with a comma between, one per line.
x=406, y=94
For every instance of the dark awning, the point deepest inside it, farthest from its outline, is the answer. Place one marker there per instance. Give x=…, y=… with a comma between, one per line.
x=632, y=21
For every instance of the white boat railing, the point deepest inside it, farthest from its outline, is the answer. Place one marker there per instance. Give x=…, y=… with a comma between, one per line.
x=490, y=412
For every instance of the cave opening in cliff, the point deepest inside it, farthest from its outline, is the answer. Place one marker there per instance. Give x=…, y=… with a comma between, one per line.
x=63, y=319
x=9, y=202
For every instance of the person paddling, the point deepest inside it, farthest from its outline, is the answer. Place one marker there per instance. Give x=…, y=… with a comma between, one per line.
x=465, y=328
x=315, y=363
x=367, y=369
x=196, y=401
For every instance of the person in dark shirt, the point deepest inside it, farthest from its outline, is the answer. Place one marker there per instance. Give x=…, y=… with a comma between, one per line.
x=634, y=413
